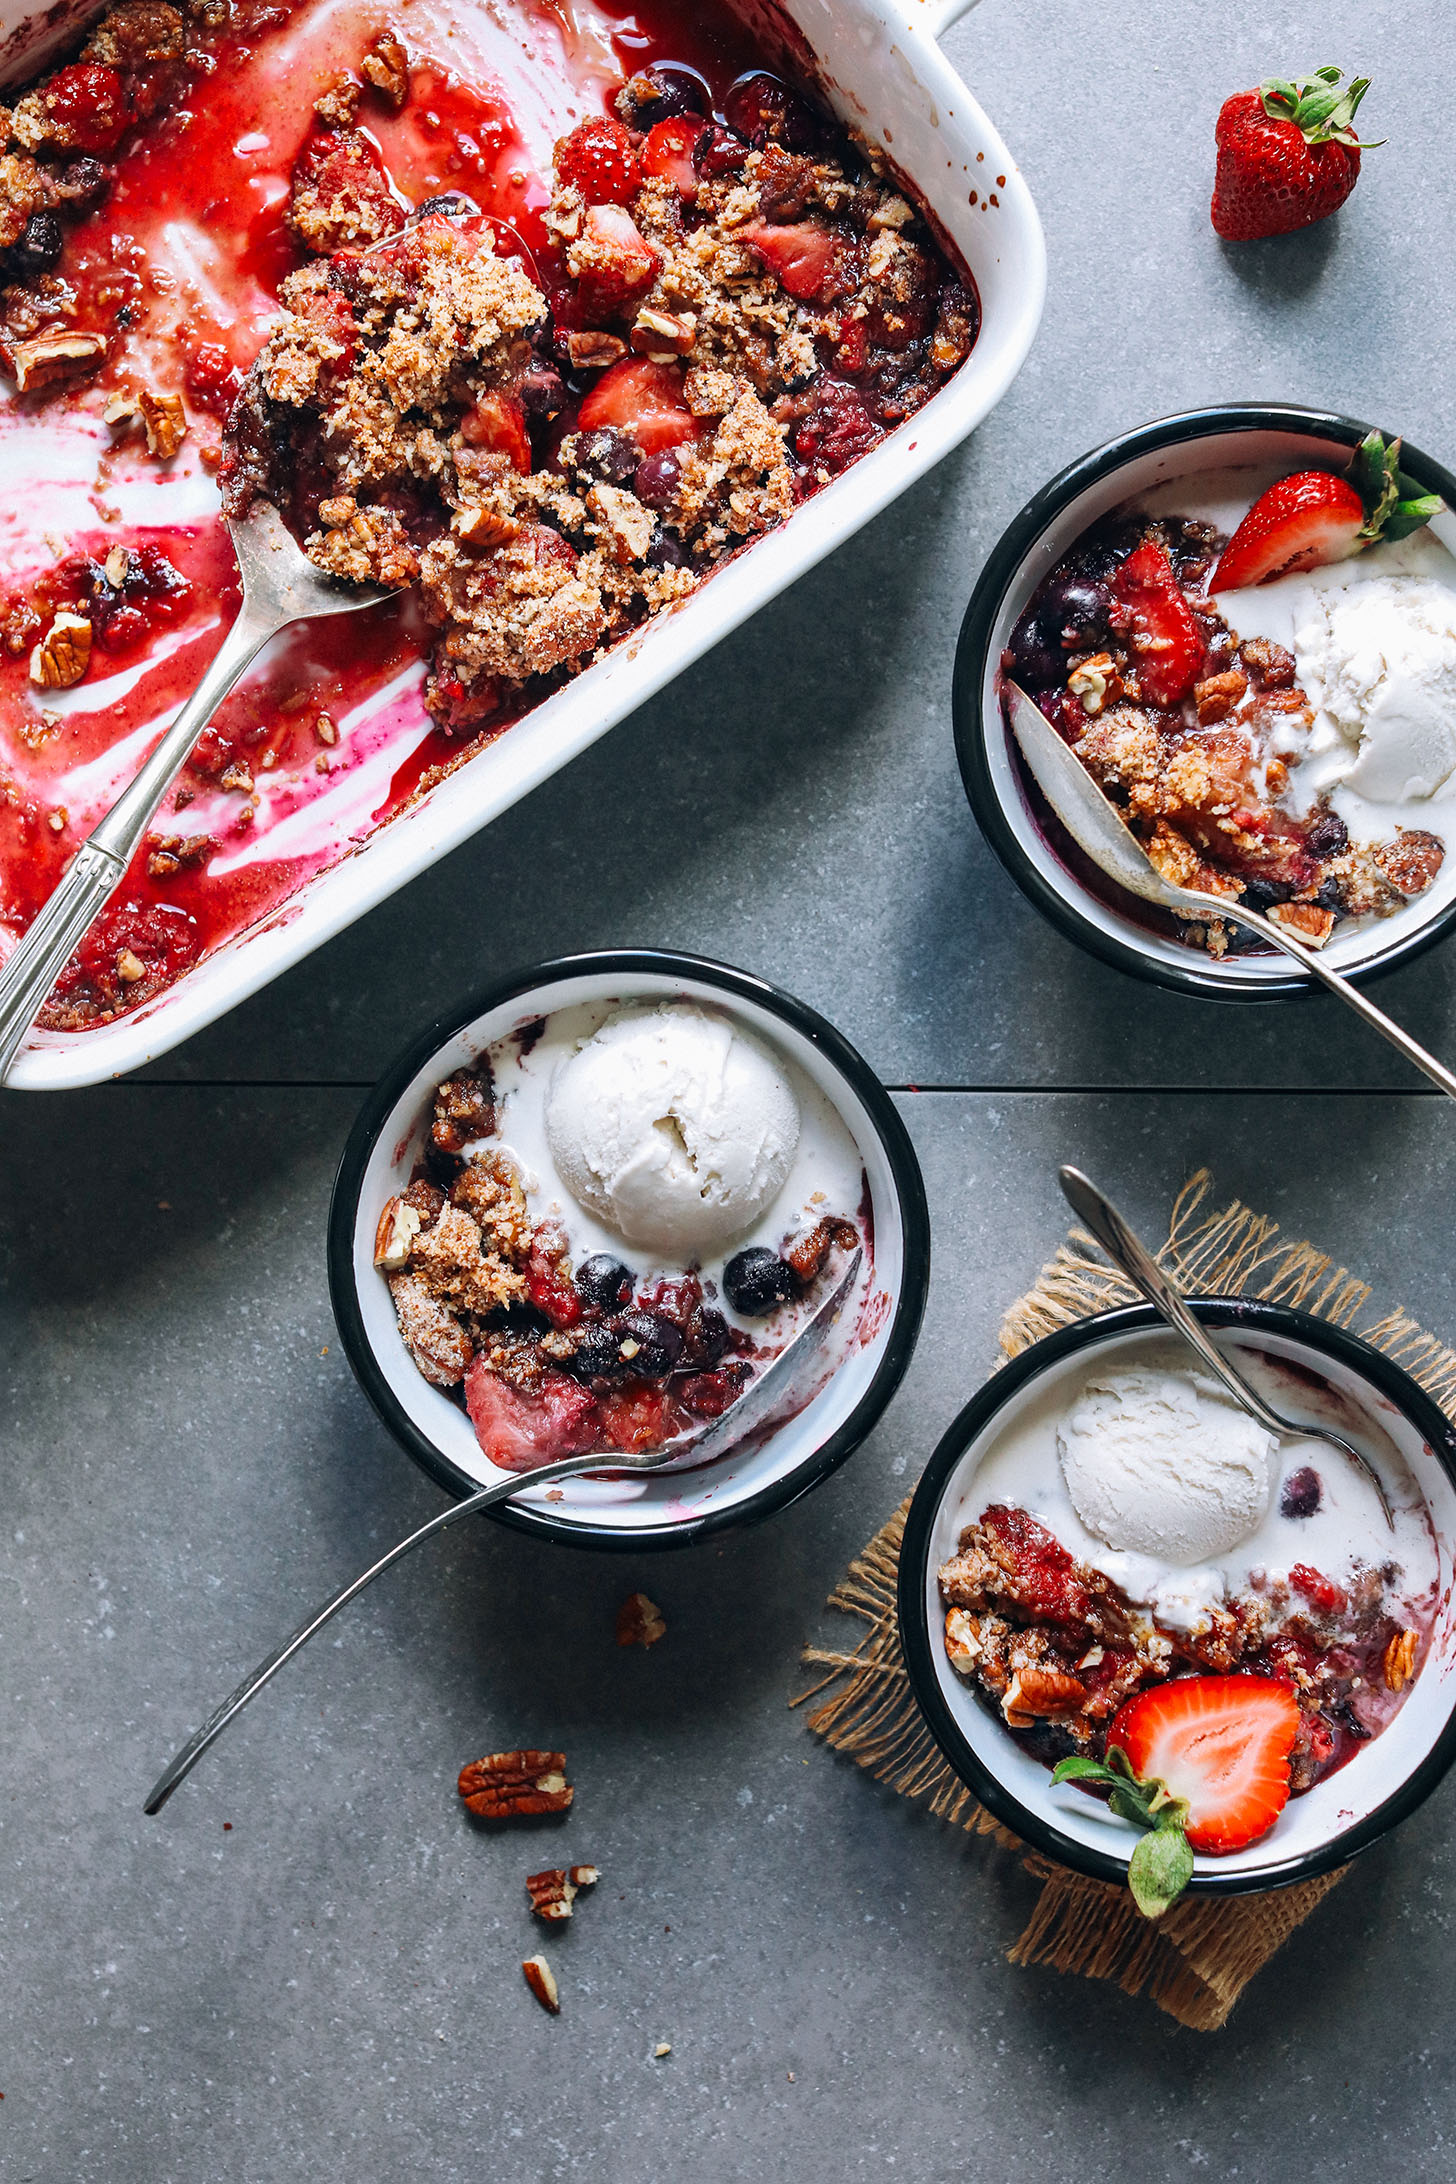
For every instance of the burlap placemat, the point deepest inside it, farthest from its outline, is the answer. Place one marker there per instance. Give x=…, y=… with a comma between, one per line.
x=1196, y=1961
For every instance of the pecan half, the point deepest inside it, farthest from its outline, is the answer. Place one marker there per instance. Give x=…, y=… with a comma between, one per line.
x=1041, y=1694
x=639, y=1621
x=553, y=1892
x=663, y=336
x=1217, y=696
x=592, y=351
x=399, y=1225
x=63, y=654
x=1095, y=682
x=1313, y=925
x=1412, y=860
x=625, y=517
x=542, y=1982
x=516, y=1785
x=483, y=527
x=807, y=1253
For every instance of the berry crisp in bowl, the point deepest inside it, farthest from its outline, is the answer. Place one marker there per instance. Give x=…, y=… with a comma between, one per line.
x=1243, y=621
x=588, y=1210
x=1133, y=1618
x=588, y=331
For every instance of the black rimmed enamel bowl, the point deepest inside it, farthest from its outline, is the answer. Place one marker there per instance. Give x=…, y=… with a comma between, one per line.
x=1385, y=1781
x=671, y=1508
x=1030, y=842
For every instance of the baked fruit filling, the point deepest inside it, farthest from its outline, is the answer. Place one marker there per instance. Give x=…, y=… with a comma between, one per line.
x=1195, y=733
x=1059, y=1650
x=298, y=250
x=554, y=1355
x=723, y=314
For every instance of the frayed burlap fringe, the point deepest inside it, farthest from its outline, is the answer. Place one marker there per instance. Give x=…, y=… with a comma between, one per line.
x=1195, y=1962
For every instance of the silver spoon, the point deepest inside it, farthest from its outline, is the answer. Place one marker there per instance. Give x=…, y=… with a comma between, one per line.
x=280, y=586
x=1127, y=1251
x=1098, y=827
x=786, y=1383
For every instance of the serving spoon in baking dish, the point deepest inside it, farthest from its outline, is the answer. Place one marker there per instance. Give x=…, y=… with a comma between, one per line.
x=783, y=1386
x=281, y=586
x=1098, y=827
x=1131, y=1256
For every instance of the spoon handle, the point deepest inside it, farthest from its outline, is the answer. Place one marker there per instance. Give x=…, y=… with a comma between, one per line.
x=99, y=866
x=1337, y=983
x=1142, y=1270
x=498, y=1491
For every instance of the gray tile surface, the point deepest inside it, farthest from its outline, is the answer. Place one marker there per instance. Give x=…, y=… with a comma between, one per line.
x=308, y=1967
x=329, y=1988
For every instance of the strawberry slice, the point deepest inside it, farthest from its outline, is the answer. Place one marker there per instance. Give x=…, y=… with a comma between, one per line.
x=497, y=421
x=643, y=399
x=1220, y=1742
x=520, y=1430
x=1303, y=522
x=801, y=257
x=668, y=152
x=1160, y=626
x=616, y=263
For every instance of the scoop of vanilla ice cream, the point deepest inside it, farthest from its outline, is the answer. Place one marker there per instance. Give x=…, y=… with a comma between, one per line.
x=674, y=1128
x=1163, y=1464
x=1378, y=662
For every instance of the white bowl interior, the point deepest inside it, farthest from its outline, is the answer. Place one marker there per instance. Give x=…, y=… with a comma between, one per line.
x=1308, y=1823
x=627, y=1504
x=1348, y=950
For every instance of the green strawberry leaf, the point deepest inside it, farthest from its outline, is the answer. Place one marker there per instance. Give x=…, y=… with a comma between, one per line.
x=1162, y=1864
x=1318, y=106
x=1395, y=505
x=1160, y=1869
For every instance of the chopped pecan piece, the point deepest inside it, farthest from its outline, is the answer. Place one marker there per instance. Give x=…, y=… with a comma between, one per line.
x=962, y=1641
x=399, y=1225
x=1411, y=861
x=63, y=654
x=130, y=968
x=1217, y=696
x=1313, y=925
x=1399, y=1661
x=553, y=1892
x=48, y=357
x=639, y=1621
x=625, y=517
x=21, y=627
x=1041, y=1694
x=664, y=336
x=386, y=64
x=808, y=1253
x=1271, y=666
x=166, y=423
x=592, y=351
x=542, y=1982
x=1095, y=682
x=484, y=528
x=516, y=1785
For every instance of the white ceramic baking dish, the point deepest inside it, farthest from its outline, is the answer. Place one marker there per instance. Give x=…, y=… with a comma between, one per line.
x=879, y=64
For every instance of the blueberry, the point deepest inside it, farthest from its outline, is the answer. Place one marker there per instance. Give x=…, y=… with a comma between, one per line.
x=656, y=478
x=1083, y=609
x=660, y=92
x=658, y=1343
x=666, y=552
x=453, y=203
x=603, y=1283
x=1263, y=894
x=754, y=1281
x=39, y=247
x=708, y=1336
x=594, y=1354
x=1302, y=1493
x=83, y=183
x=765, y=111
x=609, y=455
x=1037, y=658
x=542, y=391
x=1328, y=836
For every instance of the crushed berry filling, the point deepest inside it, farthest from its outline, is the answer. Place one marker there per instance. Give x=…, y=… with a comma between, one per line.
x=1182, y=723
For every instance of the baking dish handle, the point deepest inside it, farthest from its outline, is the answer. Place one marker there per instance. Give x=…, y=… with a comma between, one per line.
x=940, y=14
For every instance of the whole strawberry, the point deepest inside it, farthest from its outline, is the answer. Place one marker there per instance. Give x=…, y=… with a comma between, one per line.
x=1288, y=155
